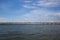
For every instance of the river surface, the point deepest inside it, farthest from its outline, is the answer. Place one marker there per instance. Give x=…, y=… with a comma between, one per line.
x=29, y=32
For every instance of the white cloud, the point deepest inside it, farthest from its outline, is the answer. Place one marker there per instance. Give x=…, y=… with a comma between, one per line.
x=31, y=16
x=34, y=16
x=43, y=3
x=48, y=3
x=40, y=15
x=55, y=14
x=28, y=6
x=3, y=19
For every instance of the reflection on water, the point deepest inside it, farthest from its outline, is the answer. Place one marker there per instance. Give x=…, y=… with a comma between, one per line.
x=29, y=32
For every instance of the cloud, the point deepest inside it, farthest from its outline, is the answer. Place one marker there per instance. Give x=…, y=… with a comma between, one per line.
x=34, y=16
x=40, y=15
x=42, y=3
x=49, y=3
x=3, y=19
x=55, y=14
x=29, y=6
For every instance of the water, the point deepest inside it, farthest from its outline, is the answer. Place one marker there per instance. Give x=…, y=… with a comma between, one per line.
x=29, y=32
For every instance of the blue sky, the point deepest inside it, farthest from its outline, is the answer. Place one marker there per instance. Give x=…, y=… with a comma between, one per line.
x=29, y=10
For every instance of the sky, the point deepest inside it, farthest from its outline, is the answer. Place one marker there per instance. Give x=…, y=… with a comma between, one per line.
x=29, y=10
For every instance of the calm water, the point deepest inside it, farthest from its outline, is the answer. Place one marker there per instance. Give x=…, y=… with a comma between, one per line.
x=29, y=32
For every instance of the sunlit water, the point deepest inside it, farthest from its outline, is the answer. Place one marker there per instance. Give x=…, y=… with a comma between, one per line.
x=29, y=32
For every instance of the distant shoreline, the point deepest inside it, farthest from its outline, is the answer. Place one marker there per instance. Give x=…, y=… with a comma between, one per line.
x=27, y=23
